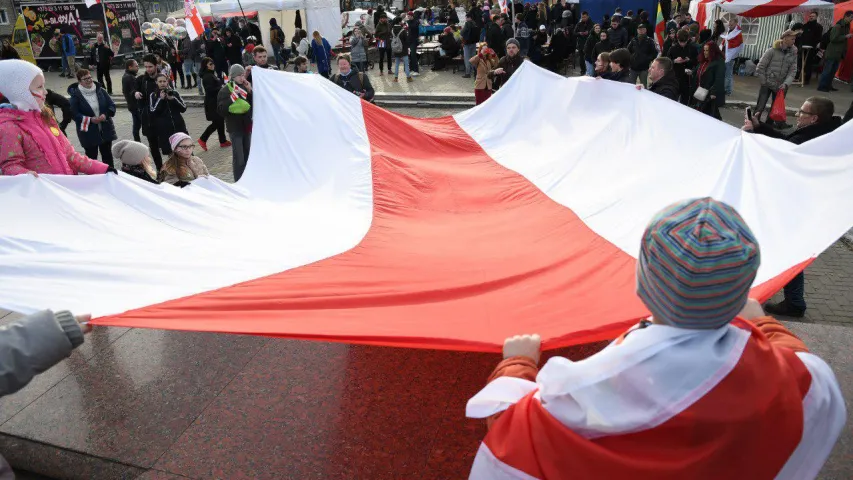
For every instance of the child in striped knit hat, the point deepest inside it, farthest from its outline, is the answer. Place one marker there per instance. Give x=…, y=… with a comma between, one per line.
x=707, y=387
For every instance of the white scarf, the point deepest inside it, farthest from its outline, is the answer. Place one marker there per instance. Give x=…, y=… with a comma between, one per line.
x=91, y=97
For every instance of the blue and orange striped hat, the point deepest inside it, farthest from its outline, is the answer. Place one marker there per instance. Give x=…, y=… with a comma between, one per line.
x=697, y=262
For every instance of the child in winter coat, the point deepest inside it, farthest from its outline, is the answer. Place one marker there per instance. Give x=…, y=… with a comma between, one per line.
x=182, y=167
x=135, y=160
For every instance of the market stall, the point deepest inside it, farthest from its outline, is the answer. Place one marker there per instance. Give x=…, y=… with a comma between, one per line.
x=323, y=16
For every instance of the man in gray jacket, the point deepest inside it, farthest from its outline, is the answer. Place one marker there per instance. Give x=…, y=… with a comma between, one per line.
x=32, y=345
x=776, y=70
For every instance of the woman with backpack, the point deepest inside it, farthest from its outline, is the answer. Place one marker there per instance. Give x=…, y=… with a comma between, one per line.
x=167, y=108
x=399, y=40
x=322, y=54
x=93, y=110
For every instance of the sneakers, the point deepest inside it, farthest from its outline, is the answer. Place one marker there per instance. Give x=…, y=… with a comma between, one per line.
x=202, y=144
x=416, y=74
x=784, y=309
x=410, y=79
x=225, y=144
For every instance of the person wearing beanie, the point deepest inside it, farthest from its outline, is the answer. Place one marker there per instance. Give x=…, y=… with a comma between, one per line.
x=30, y=139
x=234, y=104
x=507, y=65
x=182, y=167
x=705, y=387
x=135, y=160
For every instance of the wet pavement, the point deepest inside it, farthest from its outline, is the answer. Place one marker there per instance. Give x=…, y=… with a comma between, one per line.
x=157, y=405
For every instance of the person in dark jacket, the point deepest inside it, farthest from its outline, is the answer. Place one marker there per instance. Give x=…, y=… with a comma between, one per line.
x=506, y=28
x=810, y=39
x=192, y=52
x=238, y=124
x=167, y=108
x=414, y=40
x=711, y=75
x=507, y=65
x=146, y=85
x=495, y=37
x=620, y=66
x=583, y=31
x=355, y=82
x=602, y=46
x=233, y=48
x=128, y=86
x=102, y=57
x=558, y=50
x=662, y=79
x=383, y=43
x=617, y=34
x=93, y=110
x=470, y=37
x=212, y=84
x=55, y=100
x=816, y=118
x=449, y=49
x=8, y=52
x=278, y=42
x=215, y=49
x=588, y=53
x=683, y=54
x=643, y=51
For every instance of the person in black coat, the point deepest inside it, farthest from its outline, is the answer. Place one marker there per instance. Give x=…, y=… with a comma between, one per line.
x=233, y=48
x=620, y=66
x=558, y=50
x=146, y=85
x=128, y=83
x=212, y=84
x=811, y=36
x=683, y=54
x=215, y=49
x=711, y=75
x=643, y=51
x=414, y=39
x=93, y=110
x=617, y=34
x=495, y=37
x=102, y=57
x=662, y=79
x=167, y=107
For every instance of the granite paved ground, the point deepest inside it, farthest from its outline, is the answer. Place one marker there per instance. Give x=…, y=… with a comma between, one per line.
x=149, y=404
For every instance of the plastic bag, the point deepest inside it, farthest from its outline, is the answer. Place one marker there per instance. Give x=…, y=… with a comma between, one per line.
x=778, y=113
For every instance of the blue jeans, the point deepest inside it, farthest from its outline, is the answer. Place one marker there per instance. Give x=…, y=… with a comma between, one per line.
x=405, y=60
x=590, y=69
x=795, y=291
x=468, y=52
x=829, y=69
x=729, y=81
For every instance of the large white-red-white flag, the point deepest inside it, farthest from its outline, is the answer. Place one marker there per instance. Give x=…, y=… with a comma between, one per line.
x=194, y=22
x=357, y=224
x=91, y=3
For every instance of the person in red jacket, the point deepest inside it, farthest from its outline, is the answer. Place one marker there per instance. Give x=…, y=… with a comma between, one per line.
x=707, y=387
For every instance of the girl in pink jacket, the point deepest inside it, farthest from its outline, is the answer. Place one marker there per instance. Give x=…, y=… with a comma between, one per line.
x=30, y=139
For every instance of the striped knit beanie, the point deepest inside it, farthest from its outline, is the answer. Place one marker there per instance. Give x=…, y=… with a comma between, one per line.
x=697, y=262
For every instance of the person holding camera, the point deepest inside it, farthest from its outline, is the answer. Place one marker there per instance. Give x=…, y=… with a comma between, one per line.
x=167, y=108
x=352, y=81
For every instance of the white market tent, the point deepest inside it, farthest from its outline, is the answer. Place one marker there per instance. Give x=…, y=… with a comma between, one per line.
x=703, y=10
x=323, y=16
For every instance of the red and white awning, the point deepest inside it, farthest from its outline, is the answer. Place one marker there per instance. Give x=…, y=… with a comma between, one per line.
x=758, y=8
x=355, y=224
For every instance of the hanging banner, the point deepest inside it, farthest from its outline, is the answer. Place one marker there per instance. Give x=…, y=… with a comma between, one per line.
x=82, y=22
x=123, y=23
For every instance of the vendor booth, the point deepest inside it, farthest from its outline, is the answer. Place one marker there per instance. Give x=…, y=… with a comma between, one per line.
x=323, y=16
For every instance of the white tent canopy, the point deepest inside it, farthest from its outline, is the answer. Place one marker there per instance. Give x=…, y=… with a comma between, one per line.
x=323, y=16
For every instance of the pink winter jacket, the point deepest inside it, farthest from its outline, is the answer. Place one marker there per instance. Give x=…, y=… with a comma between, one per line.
x=27, y=144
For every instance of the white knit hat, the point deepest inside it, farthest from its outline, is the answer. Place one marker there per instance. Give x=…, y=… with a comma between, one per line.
x=17, y=76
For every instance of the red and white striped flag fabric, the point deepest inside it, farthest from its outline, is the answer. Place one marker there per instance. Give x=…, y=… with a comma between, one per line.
x=769, y=8
x=734, y=43
x=91, y=3
x=665, y=403
x=194, y=22
x=84, y=125
x=451, y=232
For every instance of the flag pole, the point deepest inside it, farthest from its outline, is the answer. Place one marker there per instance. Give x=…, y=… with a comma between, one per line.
x=242, y=12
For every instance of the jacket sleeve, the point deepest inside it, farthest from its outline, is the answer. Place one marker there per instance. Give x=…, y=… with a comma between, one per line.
x=778, y=335
x=837, y=35
x=761, y=69
x=518, y=367
x=792, y=70
x=75, y=109
x=369, y=92
x=12, y=158
x=81, y=163
x=223, y=102
x=768, y=131
x=178, y=103
x=156, y=104
x=111, y=105
x=127, y=87
x=34, y=344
